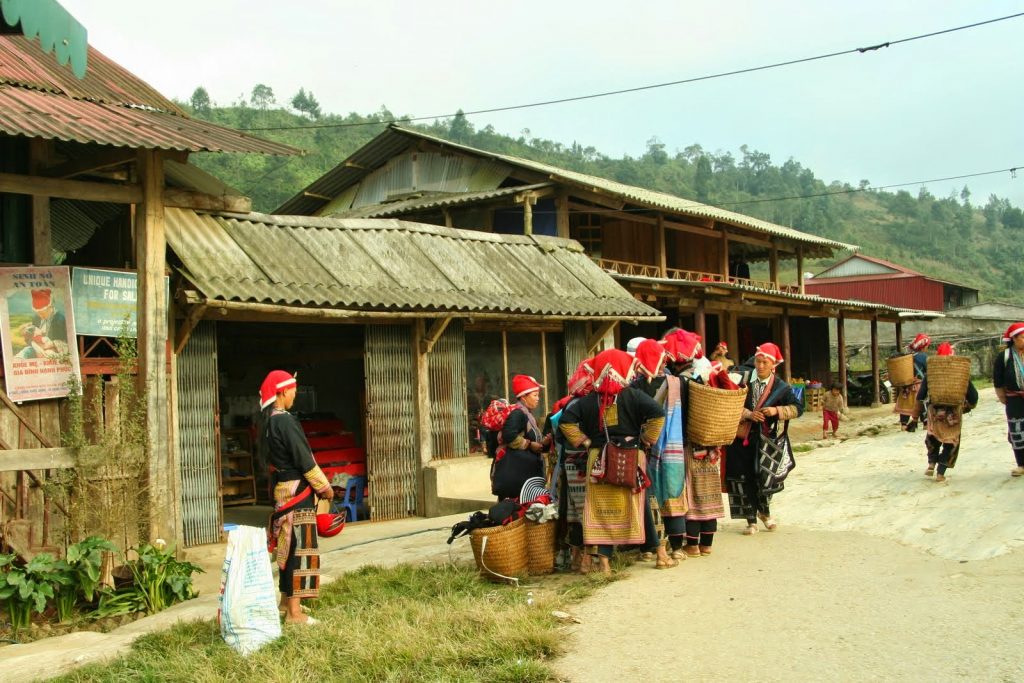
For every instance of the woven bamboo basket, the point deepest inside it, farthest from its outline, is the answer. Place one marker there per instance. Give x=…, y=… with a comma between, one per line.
x=505, y=551
x=901, y=370
x=948, y=377
x=713, y=414
x=540, y=547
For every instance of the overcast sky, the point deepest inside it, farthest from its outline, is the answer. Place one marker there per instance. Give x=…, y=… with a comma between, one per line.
x=944, y=106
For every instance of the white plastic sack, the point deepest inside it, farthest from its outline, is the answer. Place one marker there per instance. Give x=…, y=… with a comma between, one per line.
x=248, y=601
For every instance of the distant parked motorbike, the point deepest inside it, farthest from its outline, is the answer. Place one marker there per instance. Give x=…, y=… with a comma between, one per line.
x=860, y=388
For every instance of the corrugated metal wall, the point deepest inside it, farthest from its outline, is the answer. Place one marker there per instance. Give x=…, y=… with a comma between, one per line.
x=449, y=417
x=429, y=172
x=575, y=335
x=905, y=292
x=197, y=443
x=858, y=266
x=392, y=456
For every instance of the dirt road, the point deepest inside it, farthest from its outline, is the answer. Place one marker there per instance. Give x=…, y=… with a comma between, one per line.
x=876, y=573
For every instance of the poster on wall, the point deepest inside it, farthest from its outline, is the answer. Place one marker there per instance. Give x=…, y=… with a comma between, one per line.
x=37, y=330
x=105, y=302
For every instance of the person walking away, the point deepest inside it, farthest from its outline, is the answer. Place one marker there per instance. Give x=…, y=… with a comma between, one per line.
x=832, y=404
x=942, y=441
x=1008, y=379
x=770, y=403
x=613, y=515
x=906, y=397
x=295, y=477
x=572, y=461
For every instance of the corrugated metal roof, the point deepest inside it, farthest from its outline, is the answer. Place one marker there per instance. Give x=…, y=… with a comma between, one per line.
x=110, y=106
x=390, y=265
x=397, y=138
x=848, y=304
x=434, y=201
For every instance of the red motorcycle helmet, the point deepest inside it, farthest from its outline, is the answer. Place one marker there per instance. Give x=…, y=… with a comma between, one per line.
x=330, y=524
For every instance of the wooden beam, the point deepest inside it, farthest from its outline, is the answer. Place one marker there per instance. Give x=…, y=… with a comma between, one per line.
x=595, y=197
x=23, y=419
x=186, y=328
x=800, y=267
x=692, y=229
x=660, y=246
x=421, y=391
x=773, y=265
x=787, y=349
x=562, y=215
x=700, y=322
x=841, y=350
x=875, y=397
x=725, y=257
x=40, y=151
x=603, y=329
x=96, y=160
x=14, y=183
x=187, y=199
x=899, y=336
x=747, y=239
x=431, y=336
x=36, y=459
x=151, y=262
x=504, y=360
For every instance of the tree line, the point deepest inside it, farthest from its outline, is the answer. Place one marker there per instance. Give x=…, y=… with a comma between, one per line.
x=952, y=238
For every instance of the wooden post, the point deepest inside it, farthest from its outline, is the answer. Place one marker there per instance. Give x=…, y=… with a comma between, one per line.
x=422, y=393
x=787, y=351
x=773, y=265
x=876, y=399
x=841, y=352
x=150, y=261
x=725, y=255
x=447, y=218
x=800, y=267
x=659, y=246
x=700, y=322
x=42, y=241
x=733, y=334
x=527, y=215
x=504, y=361
x=544, y=369
x=899, y=336
x=562, y=215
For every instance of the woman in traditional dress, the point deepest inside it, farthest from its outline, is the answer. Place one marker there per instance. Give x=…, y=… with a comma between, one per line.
x=522, y=458
x=944, y=424
x=1008, y=379
x=770, y=403
x=295, y=477
x=613, y=515
x=572, y=469
x=665, y=459
x=906, y=397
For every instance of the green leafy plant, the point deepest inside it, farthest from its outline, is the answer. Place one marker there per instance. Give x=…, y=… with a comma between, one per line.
x=158, y=581
x=77, y=576
x=27, y=587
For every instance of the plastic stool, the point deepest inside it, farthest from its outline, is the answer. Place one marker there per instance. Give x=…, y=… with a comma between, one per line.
x=353, y=497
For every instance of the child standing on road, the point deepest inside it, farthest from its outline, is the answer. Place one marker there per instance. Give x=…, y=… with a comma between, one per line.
x=832, y=404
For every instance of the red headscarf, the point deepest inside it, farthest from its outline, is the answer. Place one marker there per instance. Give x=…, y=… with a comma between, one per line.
x=769, y=351
x=683, y=345
x=275, y=382
x=582, y=381
x=524, y=384
x=921, y=342
x=650, y=356
x=1012, y=331
x=614, y=370
x=945, y=349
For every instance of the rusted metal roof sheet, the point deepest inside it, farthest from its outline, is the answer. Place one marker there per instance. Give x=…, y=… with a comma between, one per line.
x=110, y=106
x=434, y=202
x=397, y=138
x=390, y=265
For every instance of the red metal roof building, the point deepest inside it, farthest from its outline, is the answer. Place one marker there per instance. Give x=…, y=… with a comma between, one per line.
x=866, y=278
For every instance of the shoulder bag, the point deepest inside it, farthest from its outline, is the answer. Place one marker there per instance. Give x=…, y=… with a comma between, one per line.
x=774, y=460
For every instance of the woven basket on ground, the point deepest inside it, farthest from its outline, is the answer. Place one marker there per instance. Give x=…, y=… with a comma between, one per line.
x=540, y=547
x=713, y=414
x=948, y=377
x=504, y=553
x=901, y=370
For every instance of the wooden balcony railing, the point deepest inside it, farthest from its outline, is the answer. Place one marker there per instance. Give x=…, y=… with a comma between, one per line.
x=648, y=270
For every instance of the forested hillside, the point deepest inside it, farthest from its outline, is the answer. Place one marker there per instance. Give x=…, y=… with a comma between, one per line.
x=965, y=239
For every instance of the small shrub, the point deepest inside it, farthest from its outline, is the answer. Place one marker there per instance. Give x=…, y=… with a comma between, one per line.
x=27, y=587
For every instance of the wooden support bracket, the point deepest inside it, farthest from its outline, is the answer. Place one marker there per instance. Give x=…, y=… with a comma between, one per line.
x=195, y=314
x=599, y=334
x=431, y=336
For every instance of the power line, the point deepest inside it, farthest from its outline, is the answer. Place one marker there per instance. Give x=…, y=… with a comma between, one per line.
x=623, y=91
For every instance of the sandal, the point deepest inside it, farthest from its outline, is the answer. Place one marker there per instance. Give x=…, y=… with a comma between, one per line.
x=750, y=530
x=940, y=478
x=705, y=550
x=769, y=523
x=1017, y=472
x=647, y=556
x=667, y=563
x=678, y=555
x=692, y=551
x=930, y=471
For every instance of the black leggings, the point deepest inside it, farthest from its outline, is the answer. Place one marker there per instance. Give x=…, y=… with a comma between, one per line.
x=1018, y=453
x=701, y=532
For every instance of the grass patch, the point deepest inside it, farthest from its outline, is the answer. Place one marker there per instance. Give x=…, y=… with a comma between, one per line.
x=802, y=447
x=404, y=623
